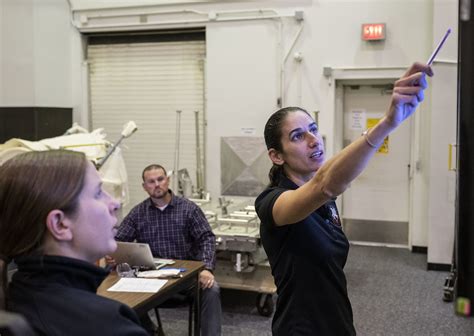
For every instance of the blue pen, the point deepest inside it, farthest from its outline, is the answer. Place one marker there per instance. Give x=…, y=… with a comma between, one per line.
x=174, y=268
x=438, y=48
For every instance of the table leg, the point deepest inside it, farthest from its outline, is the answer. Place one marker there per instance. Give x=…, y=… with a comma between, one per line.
x=197, y=308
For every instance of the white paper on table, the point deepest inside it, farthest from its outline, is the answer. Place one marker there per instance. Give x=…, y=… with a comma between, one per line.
x=137, y=285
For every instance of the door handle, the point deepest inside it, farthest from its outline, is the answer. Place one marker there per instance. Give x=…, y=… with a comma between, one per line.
x=450, y=157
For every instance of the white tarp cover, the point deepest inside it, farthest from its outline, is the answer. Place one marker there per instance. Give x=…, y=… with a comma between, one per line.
x=93, y=144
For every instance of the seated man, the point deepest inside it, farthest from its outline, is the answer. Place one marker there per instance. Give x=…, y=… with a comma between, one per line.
x=176, y=228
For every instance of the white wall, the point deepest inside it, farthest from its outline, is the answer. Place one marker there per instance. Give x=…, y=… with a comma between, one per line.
x=441, y=204
x=18, y=82
x=52, y=55
x=242, y=72
x=241, y=84
x=35, y=58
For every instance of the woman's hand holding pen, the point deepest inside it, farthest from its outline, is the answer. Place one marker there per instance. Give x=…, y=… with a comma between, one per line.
x=408, y=92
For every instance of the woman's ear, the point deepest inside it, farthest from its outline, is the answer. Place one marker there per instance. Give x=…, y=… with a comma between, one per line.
x=275, y=156
x=59, y=225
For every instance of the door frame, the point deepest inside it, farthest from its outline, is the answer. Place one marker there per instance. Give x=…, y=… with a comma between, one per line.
x=337, y=77
x=397, y=221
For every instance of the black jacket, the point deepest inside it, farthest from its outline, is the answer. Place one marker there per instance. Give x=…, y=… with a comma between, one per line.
x=57, y=296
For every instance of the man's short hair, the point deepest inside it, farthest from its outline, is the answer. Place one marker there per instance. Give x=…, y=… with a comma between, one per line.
x=152, y=167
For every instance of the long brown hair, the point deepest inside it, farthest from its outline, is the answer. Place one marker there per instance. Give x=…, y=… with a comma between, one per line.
x=273, y=134
x=31, y=185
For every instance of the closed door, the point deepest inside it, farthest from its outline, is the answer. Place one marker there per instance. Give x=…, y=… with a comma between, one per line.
x=147, y=82
x=375, y=208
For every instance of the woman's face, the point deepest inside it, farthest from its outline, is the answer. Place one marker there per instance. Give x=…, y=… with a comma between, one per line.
x=303, y=147
x=95, y=222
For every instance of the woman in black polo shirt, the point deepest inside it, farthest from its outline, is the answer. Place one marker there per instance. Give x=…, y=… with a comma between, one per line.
x=56, y=221
x=301, y=230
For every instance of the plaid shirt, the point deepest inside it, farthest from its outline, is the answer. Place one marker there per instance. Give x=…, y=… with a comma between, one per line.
x=180, y=231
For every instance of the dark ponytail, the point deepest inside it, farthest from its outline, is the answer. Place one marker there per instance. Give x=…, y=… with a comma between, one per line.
x=274, y=175
x=273, y=134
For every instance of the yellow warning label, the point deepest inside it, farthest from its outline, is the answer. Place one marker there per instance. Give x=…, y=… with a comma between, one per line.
x=371, y=122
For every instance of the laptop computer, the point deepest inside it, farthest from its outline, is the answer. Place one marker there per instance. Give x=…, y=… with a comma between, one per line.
x=138, y=255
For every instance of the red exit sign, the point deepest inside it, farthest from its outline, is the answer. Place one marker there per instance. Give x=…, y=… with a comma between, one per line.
x=373, y=31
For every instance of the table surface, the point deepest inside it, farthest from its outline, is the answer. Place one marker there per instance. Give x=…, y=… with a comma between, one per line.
x=142, y=302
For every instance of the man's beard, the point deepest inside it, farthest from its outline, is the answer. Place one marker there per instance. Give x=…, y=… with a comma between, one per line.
x=159, y=194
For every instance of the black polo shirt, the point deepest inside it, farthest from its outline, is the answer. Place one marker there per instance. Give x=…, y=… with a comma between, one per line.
x=307, y=261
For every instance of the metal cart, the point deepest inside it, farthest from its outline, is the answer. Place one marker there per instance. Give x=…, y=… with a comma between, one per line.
x=241, y=260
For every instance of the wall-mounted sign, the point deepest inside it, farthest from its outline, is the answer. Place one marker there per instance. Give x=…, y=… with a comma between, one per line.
x=248, y=131
x=358, y=120
x=373, y=31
